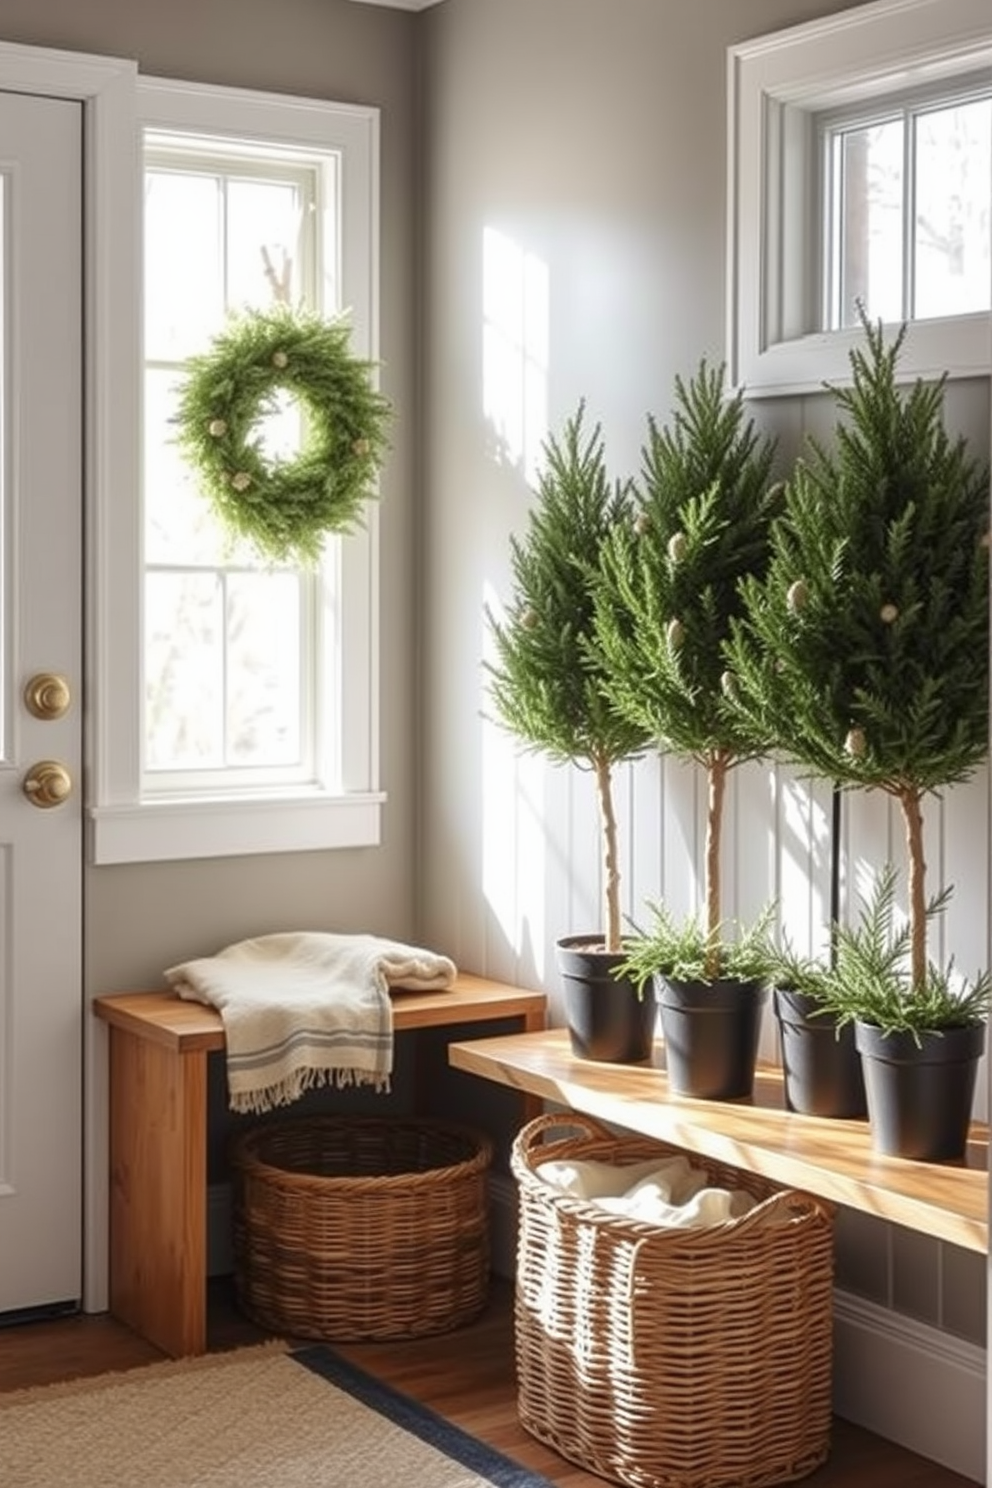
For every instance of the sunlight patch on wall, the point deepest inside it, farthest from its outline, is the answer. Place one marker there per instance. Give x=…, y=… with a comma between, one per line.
x=804, y=865
x=515, y=343
x=514, y=834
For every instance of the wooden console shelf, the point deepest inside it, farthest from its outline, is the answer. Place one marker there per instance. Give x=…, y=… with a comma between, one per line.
x=832, y=1159
x=159, y=1046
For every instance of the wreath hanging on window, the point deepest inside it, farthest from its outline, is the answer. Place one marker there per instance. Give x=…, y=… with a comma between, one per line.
x=284, y=507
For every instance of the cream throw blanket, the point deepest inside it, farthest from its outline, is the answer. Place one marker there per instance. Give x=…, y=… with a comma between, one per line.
x=303, y=1009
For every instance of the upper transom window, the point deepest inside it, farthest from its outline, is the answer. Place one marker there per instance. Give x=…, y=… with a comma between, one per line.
x=907, y=210
x=859, y=173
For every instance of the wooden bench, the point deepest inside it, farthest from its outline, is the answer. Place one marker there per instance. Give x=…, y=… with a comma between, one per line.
x=832, y=1159
x=159, y=1045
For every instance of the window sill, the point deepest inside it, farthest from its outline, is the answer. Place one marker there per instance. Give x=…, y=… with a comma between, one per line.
x=167, y=831
x=956, y=348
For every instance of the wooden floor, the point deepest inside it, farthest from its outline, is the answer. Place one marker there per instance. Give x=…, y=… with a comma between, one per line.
x=466, y=1376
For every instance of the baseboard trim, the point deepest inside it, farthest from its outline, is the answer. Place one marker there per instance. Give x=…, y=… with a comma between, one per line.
x=911, y=1383
x=220, y=1252
x=503, y=1224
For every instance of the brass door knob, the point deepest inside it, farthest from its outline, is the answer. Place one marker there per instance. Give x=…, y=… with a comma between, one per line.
x=47, y=695
x=48, y=783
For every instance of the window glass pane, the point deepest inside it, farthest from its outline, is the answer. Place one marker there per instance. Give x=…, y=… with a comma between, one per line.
x=263, y=244
x=184, y=280
x=180, y=527
x=179, y=524
x=953, y=270
x=228, y=636
x=184, y=671
x=279, y=428
x=263, y=627
x=869, y=234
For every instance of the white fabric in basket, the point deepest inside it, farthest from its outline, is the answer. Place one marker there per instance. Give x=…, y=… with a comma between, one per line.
x=670, y=1193
x=588, y=1179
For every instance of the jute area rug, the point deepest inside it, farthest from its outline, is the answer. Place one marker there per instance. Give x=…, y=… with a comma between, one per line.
x=261, y=1417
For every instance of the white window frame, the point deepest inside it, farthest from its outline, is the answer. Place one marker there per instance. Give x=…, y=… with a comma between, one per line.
x=126, y=826
x=777, y=84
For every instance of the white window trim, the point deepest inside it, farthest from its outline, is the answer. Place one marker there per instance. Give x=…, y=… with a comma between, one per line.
x=124, y=827
x=775, y=83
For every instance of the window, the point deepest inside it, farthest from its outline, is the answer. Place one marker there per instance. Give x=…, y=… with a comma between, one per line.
x=245, y=717
x=906, y=211
x=861, y=172
x=230, y=644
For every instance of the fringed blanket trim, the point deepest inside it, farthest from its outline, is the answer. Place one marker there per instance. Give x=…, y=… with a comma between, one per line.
x=257, y=1100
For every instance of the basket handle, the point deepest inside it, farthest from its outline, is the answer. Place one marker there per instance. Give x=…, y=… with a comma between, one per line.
x=529, y=1137
x=797, y=1205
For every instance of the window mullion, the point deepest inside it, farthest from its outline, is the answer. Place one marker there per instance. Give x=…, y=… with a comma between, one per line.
x=909, y=215
x=224, y=240
x=225, y=670
x=833, y=197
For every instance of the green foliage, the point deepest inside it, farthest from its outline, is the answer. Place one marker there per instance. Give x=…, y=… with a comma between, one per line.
x=671, y=580
x=283, y=507
x=687, y=952
x=870, y=979
x=863, y=651
x=790, y=971
x=547, y=683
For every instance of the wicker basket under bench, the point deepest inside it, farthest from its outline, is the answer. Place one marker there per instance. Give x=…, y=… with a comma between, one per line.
x=361, y=1227
x=666, y=1358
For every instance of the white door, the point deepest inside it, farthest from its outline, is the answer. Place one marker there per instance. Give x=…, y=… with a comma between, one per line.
x=40, y=672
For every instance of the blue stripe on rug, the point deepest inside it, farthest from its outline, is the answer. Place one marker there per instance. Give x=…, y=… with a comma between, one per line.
x=418, y=1419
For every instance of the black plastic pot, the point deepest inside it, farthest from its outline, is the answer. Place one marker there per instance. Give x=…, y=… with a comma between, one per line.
x=711, y=1032
x=920, y=1096
x=608, y=1019
x=820, y=1064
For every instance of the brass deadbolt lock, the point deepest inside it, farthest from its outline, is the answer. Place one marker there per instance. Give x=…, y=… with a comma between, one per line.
x=48, y=783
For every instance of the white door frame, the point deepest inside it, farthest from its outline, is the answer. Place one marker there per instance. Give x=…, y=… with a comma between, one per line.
x=107, y=89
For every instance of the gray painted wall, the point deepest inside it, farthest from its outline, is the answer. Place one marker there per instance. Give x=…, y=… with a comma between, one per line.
x=586, y=140
x=142, y=918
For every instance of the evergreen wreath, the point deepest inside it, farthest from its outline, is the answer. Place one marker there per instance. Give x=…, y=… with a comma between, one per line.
x=284, y=507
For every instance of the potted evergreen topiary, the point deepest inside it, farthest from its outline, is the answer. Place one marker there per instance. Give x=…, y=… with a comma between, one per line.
x=821, y=1067
x=920, y=1042
x=863, y=652
x=546, y=686
x=669, y=589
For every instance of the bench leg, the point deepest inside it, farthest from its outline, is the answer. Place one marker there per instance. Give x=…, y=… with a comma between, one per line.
x=158, y=1187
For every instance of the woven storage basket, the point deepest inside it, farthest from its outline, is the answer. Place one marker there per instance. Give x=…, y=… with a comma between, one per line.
x=667, y=1358
x=349, y=1227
